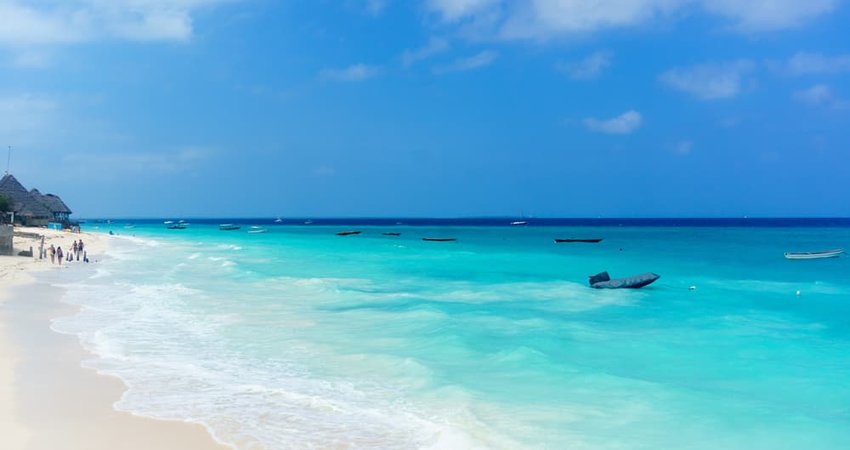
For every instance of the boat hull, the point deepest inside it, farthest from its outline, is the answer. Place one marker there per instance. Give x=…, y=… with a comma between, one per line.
x=815, y=255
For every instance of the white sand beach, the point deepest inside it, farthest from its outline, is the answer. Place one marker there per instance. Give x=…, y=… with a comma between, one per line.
x=47, y=400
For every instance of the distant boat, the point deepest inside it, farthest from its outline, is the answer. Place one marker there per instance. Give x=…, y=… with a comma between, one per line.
x=438, y=239
x=348, y=233
x=228, y=227
x=278, y=220
x=129, y=225
x=257, y=230
x=603, y=281
x=391, y=234
x=308, y=222
x=814, y=255
x=586, y=241
x=519, y=223
x=168, y=222
x=176, y=226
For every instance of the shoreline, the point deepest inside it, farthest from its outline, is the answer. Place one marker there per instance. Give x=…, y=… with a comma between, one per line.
x=48, y=400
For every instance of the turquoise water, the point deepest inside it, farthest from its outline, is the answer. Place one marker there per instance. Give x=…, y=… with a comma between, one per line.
x=298, y=338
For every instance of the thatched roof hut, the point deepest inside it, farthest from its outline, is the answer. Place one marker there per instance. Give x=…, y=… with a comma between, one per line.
x=51, y=202
x=26, y=207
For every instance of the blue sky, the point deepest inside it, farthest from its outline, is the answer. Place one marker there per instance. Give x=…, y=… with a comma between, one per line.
x=612, y=108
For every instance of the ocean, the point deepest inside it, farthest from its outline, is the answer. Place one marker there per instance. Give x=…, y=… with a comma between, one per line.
x=297, y=338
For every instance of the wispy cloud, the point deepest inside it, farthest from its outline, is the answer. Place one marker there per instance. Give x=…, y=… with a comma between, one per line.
x=820, y=95
x=709, y=81
x=625, y=123
x=324, y=171
x=587, y=68
x=773, y=15
x=433, y=47
x=452, y=10
x=356, y=72
x=166, y=161
x=23, y=114
x=477, y=61
x=549, y=19
x=683, y=147
x=803, y=63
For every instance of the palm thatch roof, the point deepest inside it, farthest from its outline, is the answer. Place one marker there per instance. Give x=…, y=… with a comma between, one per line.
x=51, y=202
x=23, y=203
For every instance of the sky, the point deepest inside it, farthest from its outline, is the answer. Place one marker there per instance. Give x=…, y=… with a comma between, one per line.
x=430, y=108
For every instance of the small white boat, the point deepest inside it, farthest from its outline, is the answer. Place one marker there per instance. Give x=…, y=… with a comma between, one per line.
x=168, y=222
x=257, y=230
x=814, y=255
x=278, y=220
x=228, y=227
x=519, y=223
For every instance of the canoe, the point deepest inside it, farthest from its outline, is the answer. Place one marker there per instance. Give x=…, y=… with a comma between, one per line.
x=814, y=255
x=347, y=233
x=586, y=241
x=391, y=234
x=603, y=281
x=435, y=239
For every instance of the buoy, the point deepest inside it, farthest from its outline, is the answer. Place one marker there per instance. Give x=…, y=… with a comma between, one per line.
x=798, y=293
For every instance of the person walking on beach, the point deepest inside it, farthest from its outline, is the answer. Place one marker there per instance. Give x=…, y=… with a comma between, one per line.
x=52, y=251
x=59, y=254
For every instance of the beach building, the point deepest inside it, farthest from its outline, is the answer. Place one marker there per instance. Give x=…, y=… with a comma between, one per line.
x=33, y=208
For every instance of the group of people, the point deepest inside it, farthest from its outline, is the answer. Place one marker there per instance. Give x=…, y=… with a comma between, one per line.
x=77, y=251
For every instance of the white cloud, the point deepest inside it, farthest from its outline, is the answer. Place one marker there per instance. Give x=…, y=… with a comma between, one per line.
x=544, y=19
x=433, y=47
x=769, y=15
x=56, y=22
x=817, y=63
x=625, y=123
x=452, y=10
x=375, y=7
x=548, y=19
x=820, y=95
x=481, y=59
x=357, y=72
x=587, y=68
x=709, y=81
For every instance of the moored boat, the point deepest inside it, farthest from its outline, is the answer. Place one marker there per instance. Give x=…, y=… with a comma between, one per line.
x=834, y=253
x=391, y=233
x=519, y=223
x=439, y=239
x=228, y=227
x=603, y=281
x=348, y=233
x=176, y=226
x=571, y=240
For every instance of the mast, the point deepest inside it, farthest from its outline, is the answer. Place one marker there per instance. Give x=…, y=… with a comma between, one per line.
x=9, y=160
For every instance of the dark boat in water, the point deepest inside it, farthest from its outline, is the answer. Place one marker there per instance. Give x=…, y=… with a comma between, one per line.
x=436, y=239
x=586, y=241
x=391, y=234
x=177, y=226
x=228, y=227
x=348, y=233
x=603, y=281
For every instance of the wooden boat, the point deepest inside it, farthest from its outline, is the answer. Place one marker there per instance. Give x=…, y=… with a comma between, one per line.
x=228, y=227
x=586, y=241
x=603, y=281
x=391, y=233
x=438, y=239
x=348, y=233
x=815, y=255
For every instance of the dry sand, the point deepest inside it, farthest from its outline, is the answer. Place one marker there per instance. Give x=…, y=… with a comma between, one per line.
x=47, y=400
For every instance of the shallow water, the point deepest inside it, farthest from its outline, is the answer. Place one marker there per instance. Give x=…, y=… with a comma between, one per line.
x=297, y=338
